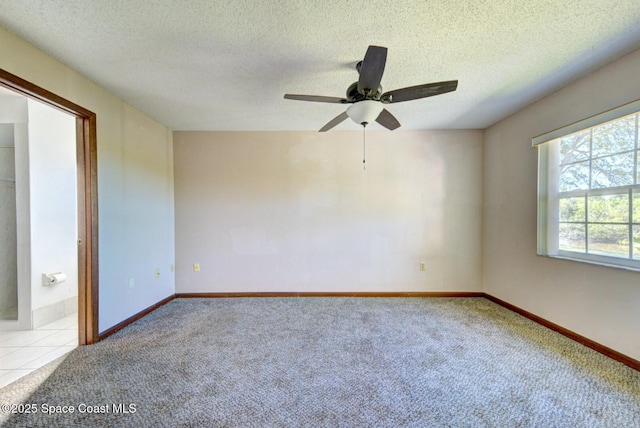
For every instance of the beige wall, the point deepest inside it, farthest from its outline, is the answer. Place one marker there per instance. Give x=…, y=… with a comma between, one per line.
x=135, y=184
x=294, y=211
x=600, y=303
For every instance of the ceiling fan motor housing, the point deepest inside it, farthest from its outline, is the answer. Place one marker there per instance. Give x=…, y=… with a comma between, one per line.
x=354, y=96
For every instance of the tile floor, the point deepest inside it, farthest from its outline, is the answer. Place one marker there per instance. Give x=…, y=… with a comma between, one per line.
x=23, y=351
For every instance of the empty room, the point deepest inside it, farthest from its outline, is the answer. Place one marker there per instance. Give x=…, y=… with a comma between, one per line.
x=302, y=213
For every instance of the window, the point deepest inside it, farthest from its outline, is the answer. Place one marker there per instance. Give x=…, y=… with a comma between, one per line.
x=589, y=189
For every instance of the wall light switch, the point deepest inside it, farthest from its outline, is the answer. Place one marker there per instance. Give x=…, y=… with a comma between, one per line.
x=423, y=266
x=196, y=267
x=157, y=273
x=171, y=268
x=132, y=282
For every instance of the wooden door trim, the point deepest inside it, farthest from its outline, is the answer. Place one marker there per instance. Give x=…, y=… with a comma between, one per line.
x=87, y=170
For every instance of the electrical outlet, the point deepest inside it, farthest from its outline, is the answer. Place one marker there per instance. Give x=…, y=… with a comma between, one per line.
x=171, y=268
x=196, y=267
x=157, y=273
x=423, y=266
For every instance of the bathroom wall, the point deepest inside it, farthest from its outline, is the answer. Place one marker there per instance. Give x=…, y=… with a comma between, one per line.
x=38, y=226
x=53, y=211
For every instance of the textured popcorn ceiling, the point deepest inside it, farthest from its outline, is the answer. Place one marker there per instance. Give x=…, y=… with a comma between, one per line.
x=225, y=65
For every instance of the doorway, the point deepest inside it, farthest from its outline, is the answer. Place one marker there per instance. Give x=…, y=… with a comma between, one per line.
x=87, y=200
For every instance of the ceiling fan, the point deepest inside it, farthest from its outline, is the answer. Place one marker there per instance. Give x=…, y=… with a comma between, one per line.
x=366, y=97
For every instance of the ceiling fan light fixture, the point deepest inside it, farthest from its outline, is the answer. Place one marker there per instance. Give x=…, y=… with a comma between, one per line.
x=364, y=112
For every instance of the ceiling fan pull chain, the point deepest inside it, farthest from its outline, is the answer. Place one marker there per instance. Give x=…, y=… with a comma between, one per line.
x=364, y=152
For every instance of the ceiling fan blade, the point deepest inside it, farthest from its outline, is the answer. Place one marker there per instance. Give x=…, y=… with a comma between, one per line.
x=316, y=98
x=388, y=120
x=371, y=69
x=335, y=121
x=419, y=91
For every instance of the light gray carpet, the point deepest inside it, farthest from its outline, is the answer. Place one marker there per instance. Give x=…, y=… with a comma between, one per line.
x=335, y=362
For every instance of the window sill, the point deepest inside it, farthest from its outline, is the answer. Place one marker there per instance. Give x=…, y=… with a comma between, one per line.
x=592, y=262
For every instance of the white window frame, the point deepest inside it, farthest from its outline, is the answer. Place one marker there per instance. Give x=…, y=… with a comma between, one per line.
x=548, y=192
